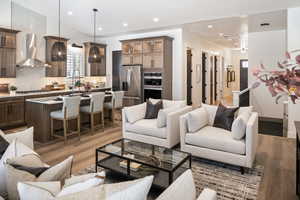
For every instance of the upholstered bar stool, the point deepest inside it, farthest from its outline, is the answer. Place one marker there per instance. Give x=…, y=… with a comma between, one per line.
x=95, y=107
x=115, y=103
x=69, y=111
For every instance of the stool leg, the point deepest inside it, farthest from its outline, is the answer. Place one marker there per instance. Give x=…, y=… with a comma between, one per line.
x=65, y=129
x=51, y=126
x=102, y=119
x=92, y=123
x=78, y=126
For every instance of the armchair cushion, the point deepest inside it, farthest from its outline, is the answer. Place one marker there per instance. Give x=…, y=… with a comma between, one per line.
x=217, y=139
x=147, y=127
x=211, y=111
x=169, y=103
x=197, y=119
x=135, y=113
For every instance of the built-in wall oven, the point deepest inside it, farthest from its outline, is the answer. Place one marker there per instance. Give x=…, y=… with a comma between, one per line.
x=152, y=85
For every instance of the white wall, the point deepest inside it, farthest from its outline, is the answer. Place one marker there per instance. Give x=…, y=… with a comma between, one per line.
x=266, y=47
x=114, y=44
x=199, y=45
x=5, y=9
x=293, y=43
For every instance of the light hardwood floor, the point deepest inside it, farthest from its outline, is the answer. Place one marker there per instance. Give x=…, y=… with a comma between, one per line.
x=276, y=154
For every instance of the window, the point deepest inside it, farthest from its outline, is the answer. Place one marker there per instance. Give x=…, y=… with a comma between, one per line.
x=75, y=66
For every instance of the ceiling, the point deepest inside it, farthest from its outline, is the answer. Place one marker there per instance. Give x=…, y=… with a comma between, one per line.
x=228, y=32
x=139, y=14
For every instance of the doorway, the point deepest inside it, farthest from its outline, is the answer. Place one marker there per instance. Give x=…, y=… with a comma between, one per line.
x=116, y=66
x=189, y=76
x=243, y=74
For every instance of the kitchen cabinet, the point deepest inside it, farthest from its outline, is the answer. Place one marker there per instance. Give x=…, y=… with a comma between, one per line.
x=57, y=69
x=95, y=69
x=132, y=52
x=7, y=53
x=12, y=112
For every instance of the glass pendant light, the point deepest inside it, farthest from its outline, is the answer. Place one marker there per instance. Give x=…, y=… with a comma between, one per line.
x=59, y=50
x=94, y=53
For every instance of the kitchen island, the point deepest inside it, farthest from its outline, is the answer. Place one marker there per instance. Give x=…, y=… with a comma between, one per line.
x=38, y=115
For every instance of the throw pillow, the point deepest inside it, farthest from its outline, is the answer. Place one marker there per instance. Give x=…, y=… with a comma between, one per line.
x=211, y=111
x=162, y=116
x=131, y=190
x=56, y=173
x=3, y=146
x=239, y=126
x=36, y=171
x=197, y=119
x=224, y=117
x=25, y=137
x=15, y=149
x=135, y=113
x=153, y=109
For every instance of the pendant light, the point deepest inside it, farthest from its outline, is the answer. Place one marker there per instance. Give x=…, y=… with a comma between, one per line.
x=59, y=50
x=94, y=53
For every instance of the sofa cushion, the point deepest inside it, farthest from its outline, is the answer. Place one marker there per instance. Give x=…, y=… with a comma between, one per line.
x=224, y=117
x=3, y=146
x=169, y=103
x=197, y=119
x=152, y=109
x=135, y=113
x=147, y=127
x=248, y=109
x=216, y=139
x=239, y=125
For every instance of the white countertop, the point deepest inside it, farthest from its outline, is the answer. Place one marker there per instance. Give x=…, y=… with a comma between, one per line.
x=6, y=95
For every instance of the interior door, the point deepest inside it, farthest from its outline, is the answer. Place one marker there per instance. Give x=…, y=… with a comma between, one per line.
x=204, y=71
x=189, y=76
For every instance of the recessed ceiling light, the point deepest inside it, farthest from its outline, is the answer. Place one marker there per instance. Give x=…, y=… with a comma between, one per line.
x=125, y=24
x=221, y=34
x=210, y=26
x=230, y=39
x=156, y=19
x=100, y=28
x=70, y=13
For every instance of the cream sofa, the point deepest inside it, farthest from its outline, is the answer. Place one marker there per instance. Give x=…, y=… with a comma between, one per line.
x=184, y=188
x=135, y=127
x=218, y=144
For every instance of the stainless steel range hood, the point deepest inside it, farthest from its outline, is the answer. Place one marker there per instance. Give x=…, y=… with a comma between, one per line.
x=31, y=60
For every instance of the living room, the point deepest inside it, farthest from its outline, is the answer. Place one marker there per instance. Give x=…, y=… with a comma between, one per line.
x=131, y=100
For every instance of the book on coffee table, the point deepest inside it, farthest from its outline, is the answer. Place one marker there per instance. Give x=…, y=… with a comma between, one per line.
x=133, y=166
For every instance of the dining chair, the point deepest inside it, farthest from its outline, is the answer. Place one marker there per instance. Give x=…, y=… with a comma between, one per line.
x=70, y=111
x=95, y=107
x=115, y=103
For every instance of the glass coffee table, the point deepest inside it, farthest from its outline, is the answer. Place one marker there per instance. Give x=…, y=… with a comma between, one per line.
x=136, y=160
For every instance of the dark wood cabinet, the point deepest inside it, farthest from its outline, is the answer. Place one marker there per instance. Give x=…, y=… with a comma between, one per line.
x=57, y=69
x=12, y=112
x=95, y=69
x=7, y=53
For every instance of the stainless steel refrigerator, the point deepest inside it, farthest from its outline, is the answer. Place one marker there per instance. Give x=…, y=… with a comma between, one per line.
x=131, y=80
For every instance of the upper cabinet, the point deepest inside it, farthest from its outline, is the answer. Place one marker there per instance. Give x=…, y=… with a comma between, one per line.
x=95, y=69
x=150, y=52
x=8, y=53
x=57, y=69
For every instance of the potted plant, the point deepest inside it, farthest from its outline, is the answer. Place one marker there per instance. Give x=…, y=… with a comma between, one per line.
x=12, y=90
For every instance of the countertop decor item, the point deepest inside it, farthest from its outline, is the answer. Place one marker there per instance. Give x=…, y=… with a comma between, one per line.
x=59, y=50
x=12, y=90
x=282, y=82
x=94, y=54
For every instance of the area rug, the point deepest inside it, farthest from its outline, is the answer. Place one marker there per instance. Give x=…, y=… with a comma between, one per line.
x=227, y=180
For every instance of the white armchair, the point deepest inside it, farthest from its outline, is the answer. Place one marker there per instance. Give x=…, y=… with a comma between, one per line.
x=218, y=144
x=184, y=188
x=163, y=131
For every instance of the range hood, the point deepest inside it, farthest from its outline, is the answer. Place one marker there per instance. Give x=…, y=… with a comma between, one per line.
x=31, y=60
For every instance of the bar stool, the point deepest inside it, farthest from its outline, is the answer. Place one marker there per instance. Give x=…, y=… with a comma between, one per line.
x=116, y=103
x=95, y=107
x=69, y=111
